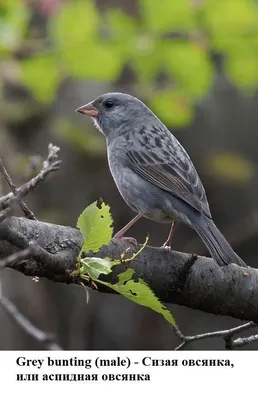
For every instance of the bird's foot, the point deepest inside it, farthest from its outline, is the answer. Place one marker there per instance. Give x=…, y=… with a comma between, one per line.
x=166, y=246
x=168, y=243
x=131, y=240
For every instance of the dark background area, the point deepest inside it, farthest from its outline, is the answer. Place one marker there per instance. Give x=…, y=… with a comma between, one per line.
x=196, y=66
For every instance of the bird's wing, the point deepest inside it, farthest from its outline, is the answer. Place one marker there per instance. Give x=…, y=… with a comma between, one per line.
x=170, y=168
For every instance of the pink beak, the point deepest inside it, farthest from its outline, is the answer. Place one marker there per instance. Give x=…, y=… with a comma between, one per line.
x=88, y=110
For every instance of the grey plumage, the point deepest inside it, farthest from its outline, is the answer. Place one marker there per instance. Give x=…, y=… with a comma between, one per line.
x=153, y=172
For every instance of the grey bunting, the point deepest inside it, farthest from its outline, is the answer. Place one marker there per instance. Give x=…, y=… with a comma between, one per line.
x=153, y=172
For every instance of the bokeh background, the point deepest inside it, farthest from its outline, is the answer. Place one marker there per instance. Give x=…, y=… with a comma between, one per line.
x=195, y=63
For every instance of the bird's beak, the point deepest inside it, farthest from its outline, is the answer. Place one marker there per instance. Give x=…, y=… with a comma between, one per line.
x=88, y=110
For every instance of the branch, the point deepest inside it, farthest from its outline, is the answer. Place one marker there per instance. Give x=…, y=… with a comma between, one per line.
x=178, y=278
x=49, y=165
x=27, y=212
x=227, y=335
x=243, y=341
x=16, y=257
x=27, y=326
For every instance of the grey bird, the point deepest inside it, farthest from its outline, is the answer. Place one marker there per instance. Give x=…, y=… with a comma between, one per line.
x=153, y=172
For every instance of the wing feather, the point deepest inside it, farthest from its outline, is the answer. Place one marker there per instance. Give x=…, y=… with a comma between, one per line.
x=171, y=169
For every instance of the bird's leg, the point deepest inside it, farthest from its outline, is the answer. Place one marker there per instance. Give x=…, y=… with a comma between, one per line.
x=168, y=242
x=122, y=231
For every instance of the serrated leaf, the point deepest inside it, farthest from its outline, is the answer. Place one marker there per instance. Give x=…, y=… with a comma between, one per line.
x=41, y=75
x=139, y=292
x=94, y=267
x=166, y=15
x=95, y=224
x=135, y=289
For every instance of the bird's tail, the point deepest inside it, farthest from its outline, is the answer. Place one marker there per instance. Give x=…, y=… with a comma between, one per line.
x=219, y=248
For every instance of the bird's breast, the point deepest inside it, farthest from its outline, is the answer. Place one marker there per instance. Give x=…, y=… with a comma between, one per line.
x=139, y=194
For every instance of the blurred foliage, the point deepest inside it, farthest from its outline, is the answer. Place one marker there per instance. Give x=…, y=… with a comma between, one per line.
x=81, y=138
x=14, y=18
x=173, y=41
x=231, y=167
x=40, y=74
x=168, y=47
x=172, y=15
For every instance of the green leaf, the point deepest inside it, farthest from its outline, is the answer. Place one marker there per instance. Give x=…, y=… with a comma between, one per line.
x=123, y=33
x=242, y=69
x=230, y=22
x=75, y=24
x=14, y=18
x=94, y=267
x=76, y=29
x=227, y=17
x=173, y=107
x=129, y=286
x=146, y=58
x=98, y=61
x=167, y=15
x=121, y=25
x=189, y=65
x=135, y=290
x=139, y=292
x=95, y=224
x=41, y=75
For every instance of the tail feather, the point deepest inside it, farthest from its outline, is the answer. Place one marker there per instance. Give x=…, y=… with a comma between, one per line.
x=218, y=246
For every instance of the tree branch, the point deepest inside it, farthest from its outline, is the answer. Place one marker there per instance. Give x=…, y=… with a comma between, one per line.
x=178, y=278
x=49, y=165
x=227, y=335
x=27, y=326
x=15, y=257
x=27, y=212
x=240, y=342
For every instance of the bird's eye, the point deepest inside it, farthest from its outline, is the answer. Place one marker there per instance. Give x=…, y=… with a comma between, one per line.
x=109, y=104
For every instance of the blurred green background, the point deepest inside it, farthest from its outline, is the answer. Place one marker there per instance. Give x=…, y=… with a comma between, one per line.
x=195, y=63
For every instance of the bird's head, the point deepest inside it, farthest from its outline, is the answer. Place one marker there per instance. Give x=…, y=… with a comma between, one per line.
x=115, y=113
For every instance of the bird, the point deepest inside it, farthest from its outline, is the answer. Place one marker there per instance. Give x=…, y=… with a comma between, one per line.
x=153, y=172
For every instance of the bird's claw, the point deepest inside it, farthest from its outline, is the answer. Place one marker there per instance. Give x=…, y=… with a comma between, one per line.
x=128, y=239
x=165, y=246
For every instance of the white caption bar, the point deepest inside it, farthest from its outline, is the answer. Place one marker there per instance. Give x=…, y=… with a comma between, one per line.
x=141, y=373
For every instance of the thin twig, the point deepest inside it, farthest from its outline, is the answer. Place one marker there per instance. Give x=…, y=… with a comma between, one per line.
x=239, y=342
x=16, y=257
x=49, y=165
x=5, y=213
x=27, y=212
x=226, y=334
x=27, y=326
